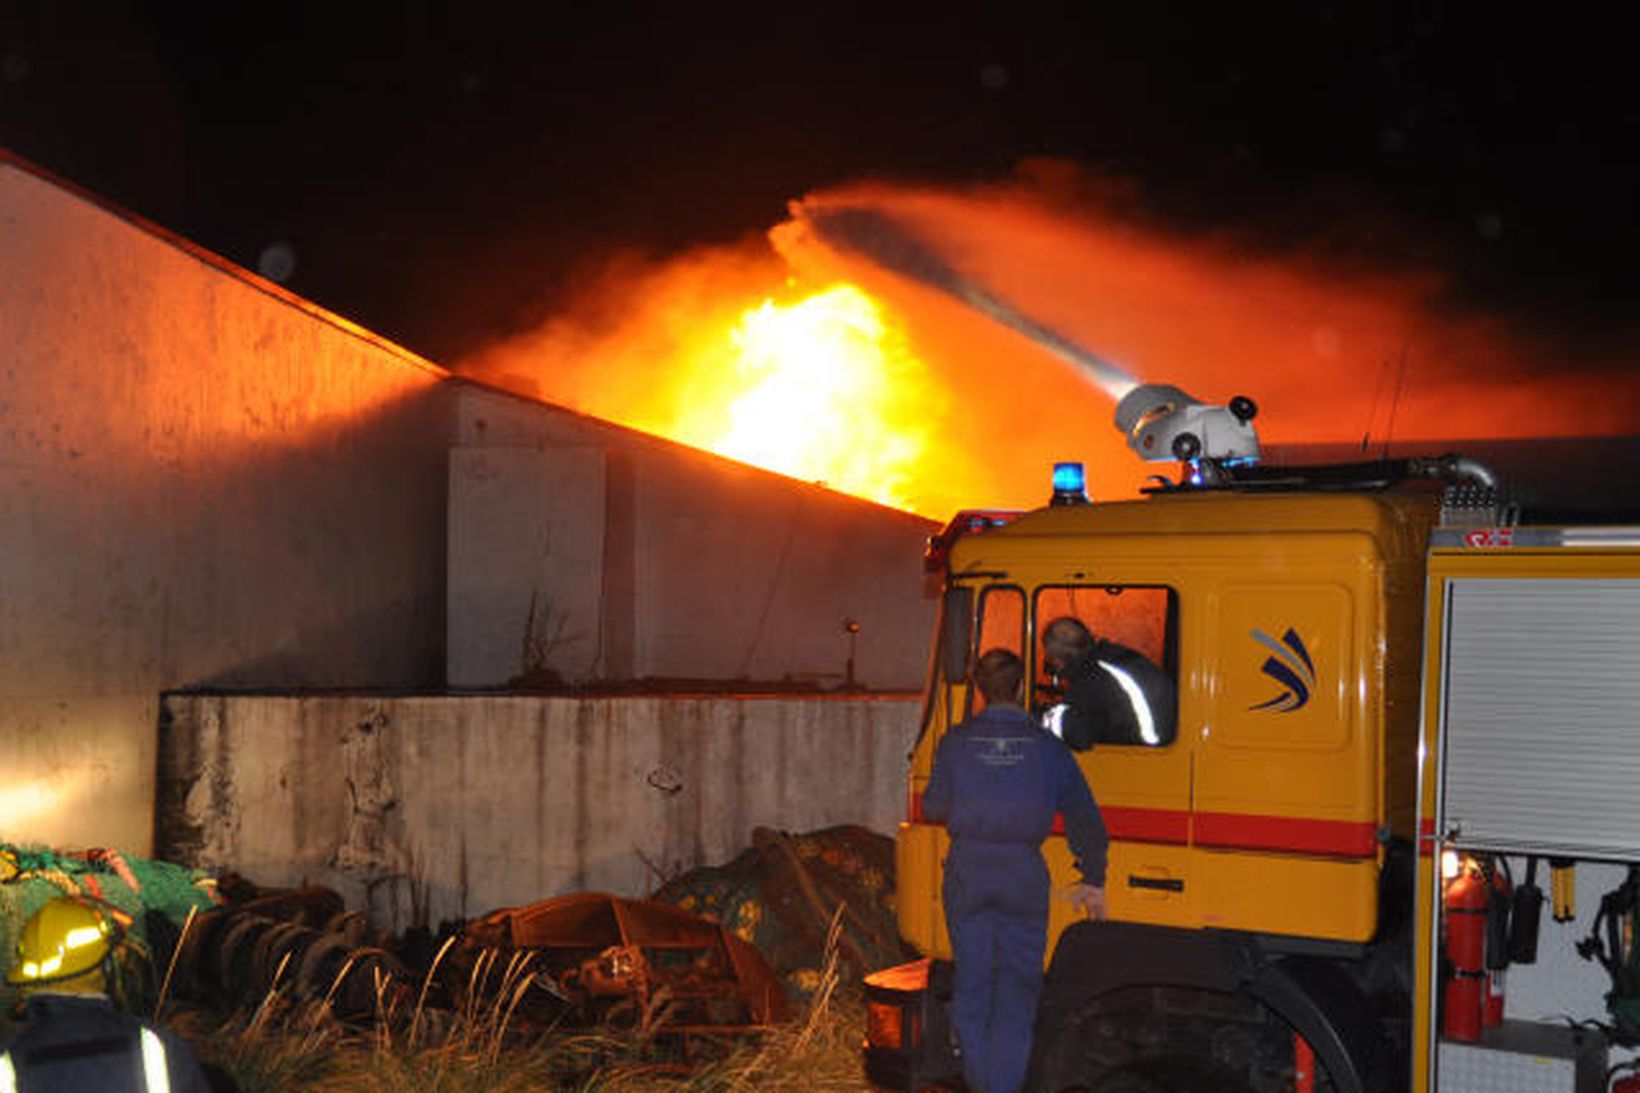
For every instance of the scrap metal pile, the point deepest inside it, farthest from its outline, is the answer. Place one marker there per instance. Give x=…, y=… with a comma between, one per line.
x=781, y=894
x=599, y=959
x=575, y=960
x=717, y=950
x=301, y=940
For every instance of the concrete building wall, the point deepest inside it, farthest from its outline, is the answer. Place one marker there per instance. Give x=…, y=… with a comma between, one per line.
x=527, y=548
x=645, y=560
x=427, y=808
x=203, y=481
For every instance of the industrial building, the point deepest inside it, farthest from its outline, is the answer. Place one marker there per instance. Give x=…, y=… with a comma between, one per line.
x=213, y=491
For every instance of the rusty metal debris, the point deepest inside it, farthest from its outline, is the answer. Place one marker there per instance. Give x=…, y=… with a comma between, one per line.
x=302, y=940
x=576, y=960
x=603, y=959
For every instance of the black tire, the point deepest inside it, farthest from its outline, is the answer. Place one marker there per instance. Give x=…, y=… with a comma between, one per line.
x=1126, y=1081
x=1186, y=446
x=1172, y=1075
x=1192, y=1075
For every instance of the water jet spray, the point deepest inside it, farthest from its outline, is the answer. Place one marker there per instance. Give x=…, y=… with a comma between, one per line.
x=874, y=236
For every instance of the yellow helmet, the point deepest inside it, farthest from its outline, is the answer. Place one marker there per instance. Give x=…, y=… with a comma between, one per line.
x=65, y=939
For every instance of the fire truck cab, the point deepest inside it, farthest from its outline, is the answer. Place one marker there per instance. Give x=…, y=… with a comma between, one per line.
x=1256, y=839
x=1271, y=926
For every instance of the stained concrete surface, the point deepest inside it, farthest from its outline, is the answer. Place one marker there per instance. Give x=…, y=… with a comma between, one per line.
x=422, y=809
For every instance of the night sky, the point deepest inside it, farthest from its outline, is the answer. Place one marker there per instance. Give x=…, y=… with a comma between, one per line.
x=443, y=173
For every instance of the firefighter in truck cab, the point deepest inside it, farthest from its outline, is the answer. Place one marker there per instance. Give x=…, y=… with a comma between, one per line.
x=1112, y=694
x=998, y=780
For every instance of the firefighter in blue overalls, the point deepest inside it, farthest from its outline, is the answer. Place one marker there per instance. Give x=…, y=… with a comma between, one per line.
x=998, y=779
x=75, y=1040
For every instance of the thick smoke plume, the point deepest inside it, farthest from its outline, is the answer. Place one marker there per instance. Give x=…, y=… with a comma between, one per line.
x=1023, y=310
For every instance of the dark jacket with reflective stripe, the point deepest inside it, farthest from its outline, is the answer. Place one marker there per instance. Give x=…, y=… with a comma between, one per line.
x=999, y=777
x=1115, y=695
x=85, y=1044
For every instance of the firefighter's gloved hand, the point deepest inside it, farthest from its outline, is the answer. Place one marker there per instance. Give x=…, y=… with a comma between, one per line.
x=1089, y=900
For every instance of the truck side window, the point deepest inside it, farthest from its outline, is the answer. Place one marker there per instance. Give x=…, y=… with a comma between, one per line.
x=1135, y=630
x=1001, y=626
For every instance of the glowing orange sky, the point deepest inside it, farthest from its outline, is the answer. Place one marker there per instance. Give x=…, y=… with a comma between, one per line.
x=949, y=410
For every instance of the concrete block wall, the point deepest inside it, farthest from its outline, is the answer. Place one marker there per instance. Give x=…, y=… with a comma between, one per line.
x=421, y=809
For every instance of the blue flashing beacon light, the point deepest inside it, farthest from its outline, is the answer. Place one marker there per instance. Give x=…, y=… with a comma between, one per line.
x=1070, y=484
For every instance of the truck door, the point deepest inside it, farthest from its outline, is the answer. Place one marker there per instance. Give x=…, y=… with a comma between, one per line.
x=997, y=622
x=1285, y=808
x=1142, y=785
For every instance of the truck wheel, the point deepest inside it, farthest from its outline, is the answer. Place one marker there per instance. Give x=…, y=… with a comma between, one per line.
x=1177, y=1076
x=1166, y=1040
x=1170, y=1076
x=1127, y=1082
x=1174, y=1075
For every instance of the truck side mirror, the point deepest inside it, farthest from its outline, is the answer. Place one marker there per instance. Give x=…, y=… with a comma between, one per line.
x=956, y=624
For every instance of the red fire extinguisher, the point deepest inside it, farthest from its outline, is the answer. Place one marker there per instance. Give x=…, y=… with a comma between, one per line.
x=1463, y=998
x=1501, y=898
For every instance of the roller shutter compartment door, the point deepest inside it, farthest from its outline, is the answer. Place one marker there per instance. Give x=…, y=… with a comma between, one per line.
x=1541, y=715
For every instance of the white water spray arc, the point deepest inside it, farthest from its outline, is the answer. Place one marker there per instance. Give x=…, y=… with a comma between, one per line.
x=874, y=236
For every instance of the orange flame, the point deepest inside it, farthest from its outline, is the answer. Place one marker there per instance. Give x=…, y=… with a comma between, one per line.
x=818, y=381
x=825, y=389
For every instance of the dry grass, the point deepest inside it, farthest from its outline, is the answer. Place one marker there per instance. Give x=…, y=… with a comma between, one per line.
x=289, y=1045
x=819, y=1052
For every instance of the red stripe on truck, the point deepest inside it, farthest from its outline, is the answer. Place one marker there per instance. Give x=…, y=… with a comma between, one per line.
x=1334, y=838
x=1227, y=830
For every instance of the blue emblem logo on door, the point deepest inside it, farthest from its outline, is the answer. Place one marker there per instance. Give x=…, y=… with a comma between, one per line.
x=1291, y=668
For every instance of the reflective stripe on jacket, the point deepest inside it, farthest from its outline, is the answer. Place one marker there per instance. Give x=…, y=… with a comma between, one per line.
x=73, y=1044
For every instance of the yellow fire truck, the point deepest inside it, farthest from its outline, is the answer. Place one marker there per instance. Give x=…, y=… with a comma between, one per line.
x=1383, y=684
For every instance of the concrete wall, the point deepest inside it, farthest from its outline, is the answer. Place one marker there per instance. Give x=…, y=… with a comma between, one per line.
x=583, y=551
x=426, y=808
x=202, y=481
